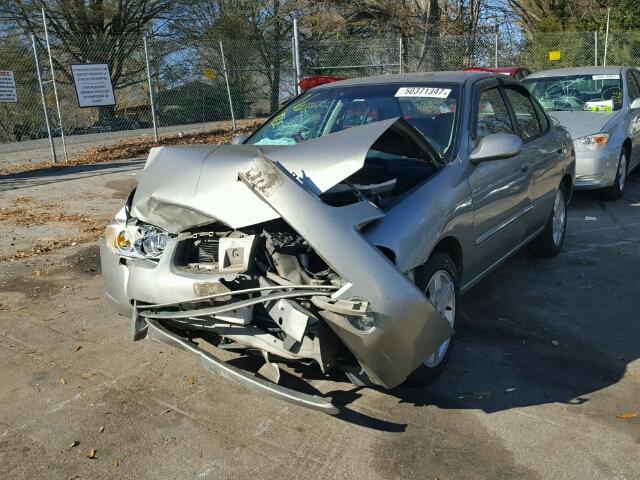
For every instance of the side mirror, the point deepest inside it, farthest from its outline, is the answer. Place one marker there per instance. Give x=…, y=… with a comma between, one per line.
x=635, y=104
x=495, y=147
x=238, y=139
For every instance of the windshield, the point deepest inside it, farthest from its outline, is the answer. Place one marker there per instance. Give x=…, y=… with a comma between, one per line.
x=597, y=92
x=430, y=108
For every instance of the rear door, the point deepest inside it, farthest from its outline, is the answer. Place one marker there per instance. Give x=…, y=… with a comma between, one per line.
x=499, y=188
x=541, y=153
x=633, y=82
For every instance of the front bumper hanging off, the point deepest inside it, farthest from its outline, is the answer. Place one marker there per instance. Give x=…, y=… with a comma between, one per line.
x=215, y=365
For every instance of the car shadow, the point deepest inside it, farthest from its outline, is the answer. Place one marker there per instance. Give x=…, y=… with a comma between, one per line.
x=16, y=181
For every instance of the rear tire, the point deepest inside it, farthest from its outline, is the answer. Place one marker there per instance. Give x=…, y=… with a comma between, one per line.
x=439, y=279
x=615, y=191
x=549, y=243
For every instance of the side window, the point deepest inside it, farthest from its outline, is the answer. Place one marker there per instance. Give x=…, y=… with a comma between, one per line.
x=492, y=114
x=542, y=117
x=634, y=89
x=525, y=113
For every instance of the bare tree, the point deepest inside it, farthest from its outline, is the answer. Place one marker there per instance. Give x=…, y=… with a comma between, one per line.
x=91, y=31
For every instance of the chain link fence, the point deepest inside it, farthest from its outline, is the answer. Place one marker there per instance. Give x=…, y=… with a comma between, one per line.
x=195, y=85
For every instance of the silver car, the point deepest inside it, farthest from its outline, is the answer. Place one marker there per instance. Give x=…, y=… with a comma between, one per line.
x=600, y=107
x=341, y=234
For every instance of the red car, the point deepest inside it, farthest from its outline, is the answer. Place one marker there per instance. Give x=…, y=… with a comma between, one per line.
x=310, y=82
x=514, y=72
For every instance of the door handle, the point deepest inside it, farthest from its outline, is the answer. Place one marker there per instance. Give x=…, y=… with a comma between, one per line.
x=524, y=167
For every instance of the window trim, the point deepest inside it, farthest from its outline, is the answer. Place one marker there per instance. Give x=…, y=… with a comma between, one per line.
x=528, y=95
x=482, y=87
x=631, y=78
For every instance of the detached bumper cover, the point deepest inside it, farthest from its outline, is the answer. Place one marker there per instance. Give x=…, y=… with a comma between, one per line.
x=157, y=332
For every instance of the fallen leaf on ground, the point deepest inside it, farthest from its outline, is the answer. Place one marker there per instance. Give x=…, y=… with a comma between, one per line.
x=91, y=453
x=627, y=415
x=75, y=443
x=62, y=381
x=87, y=375
x=115, y=463
x=165, y=411
x=79, y=347
x=191, y=380
x=101, y=429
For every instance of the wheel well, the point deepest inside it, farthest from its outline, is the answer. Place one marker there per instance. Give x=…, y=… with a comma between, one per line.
x=567, y=183
x=627, y=146
x=451, y=247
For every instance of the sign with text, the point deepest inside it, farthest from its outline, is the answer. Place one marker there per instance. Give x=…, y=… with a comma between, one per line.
x=8, y=92
x=93, y=85
x=554, y=55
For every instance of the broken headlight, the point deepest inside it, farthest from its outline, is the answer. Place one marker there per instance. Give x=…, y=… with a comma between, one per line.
x=137, y=241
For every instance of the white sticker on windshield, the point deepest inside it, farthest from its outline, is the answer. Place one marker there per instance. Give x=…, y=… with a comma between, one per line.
x=428, y=92
x=605, y=77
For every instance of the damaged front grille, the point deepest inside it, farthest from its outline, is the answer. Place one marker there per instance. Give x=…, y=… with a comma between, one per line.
x=224, y=252
x=204, y=251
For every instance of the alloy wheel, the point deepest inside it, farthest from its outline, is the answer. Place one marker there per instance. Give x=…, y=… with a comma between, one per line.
x=441, y=292
x=559, y=217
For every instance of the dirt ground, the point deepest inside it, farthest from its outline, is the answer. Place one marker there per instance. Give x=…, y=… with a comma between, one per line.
x=546, y=362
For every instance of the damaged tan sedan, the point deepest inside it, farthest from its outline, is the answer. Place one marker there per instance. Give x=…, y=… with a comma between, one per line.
x=342, y=233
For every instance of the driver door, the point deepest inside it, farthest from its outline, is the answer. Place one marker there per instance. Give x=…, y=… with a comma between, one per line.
x=500, y=189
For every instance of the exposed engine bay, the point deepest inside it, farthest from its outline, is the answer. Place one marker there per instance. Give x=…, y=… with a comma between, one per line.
x=266, y=254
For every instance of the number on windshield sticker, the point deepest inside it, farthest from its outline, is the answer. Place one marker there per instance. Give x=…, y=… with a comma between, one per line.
x=428, y=92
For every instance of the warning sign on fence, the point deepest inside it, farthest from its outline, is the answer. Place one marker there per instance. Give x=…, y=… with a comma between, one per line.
x=8, y=92
x=93, y=85
x=554, y=56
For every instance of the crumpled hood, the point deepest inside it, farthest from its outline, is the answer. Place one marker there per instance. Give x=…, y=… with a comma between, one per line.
x=186, y=187
x=582, y=123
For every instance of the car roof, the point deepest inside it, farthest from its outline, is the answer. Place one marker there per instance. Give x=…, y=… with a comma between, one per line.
x=437, y=77
x=510, y=70
x=561, y=72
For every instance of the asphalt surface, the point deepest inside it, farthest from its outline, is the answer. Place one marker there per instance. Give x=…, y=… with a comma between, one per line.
x=546, y=360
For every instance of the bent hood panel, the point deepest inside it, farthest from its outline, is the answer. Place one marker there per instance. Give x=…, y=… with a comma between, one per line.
x=408, y=329
x=185, y=187
x=583, y=123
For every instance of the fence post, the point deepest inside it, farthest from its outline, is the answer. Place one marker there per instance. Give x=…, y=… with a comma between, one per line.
x=296, y=50
x=226, y=79
x=44, y=103
x=495, y=54
x=595, y=38
x=401, y=67
x=606, y=39
x=293, y=65
x=55, y=89
x=153, y=108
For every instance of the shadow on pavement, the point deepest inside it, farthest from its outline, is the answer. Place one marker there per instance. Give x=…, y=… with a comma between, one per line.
x=36, y=178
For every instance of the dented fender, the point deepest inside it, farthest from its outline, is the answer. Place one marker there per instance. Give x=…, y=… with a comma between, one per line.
x=405, y=328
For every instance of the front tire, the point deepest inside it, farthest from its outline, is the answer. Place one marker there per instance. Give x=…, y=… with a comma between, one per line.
x=549, y=243
x=439, y=279
x=615, y=191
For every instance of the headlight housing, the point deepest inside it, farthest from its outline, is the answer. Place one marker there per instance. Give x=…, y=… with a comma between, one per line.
x=592, y=142
x=136, y=241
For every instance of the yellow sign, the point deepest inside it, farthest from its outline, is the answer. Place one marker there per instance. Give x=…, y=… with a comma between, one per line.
x=554, y=56
x=209, y=73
